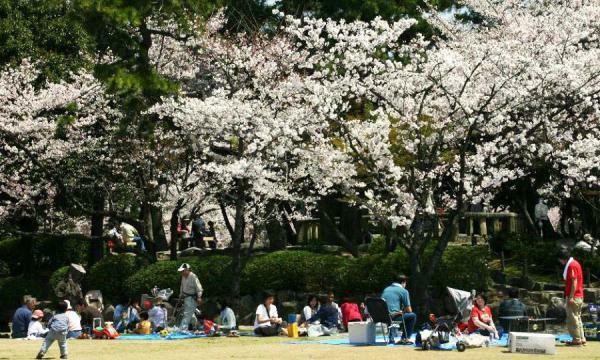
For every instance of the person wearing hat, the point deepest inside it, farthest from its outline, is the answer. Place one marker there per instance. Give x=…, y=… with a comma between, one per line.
x=398, y=302
x=22, y=317
x=190, y=292
x=74, y=330
x=36, y=329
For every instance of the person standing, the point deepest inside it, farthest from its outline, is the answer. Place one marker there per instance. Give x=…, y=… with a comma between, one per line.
x=398, y=302
x=573, y=276
x=198, y=232
x=190, y=293
x=22, y=317
x=57, y=331
x=74, y=330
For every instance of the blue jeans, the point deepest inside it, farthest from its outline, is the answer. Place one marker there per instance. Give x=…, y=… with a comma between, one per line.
x=140, y=242
x=52, y=336
x=409, y=320
x=73, y=334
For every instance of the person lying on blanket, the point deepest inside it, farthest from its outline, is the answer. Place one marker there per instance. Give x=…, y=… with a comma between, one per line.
x=480, y=321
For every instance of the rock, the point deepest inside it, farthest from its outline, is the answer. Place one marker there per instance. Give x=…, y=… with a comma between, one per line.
x=591, y=295
x=285, y=295
x=109, y=313
x=557, y=309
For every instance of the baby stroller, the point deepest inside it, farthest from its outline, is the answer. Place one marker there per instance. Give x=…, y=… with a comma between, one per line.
x=443, y=328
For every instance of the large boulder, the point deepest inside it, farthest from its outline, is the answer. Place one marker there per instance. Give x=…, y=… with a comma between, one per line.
x=557, y=309
x=591, y=295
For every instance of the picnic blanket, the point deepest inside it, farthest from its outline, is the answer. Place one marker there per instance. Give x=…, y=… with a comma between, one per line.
x=381, y=341
x=172, y=336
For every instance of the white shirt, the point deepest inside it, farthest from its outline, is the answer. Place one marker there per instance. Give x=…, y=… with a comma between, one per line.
x=340, y=315
x=35, y=329
x=308, y=313
x=567, y=268
x=74, y=321
x=228, y=319
x=261, y=311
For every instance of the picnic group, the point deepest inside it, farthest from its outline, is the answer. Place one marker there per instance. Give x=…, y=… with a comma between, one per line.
x=320, y=316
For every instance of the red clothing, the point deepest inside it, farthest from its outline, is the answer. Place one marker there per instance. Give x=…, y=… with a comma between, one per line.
x=574, y=271
x=350, y=312
x=485, y=316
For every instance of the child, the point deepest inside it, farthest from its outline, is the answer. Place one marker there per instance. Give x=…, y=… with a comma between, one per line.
x=158, y=315
x=144, y=327
x=57, y=330
x=36, y=329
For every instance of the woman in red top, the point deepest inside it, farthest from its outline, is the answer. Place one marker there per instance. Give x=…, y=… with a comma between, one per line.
x=481, y=321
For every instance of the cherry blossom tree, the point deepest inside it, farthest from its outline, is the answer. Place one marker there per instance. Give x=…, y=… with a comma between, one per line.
x=41, y=128
x=445, y=123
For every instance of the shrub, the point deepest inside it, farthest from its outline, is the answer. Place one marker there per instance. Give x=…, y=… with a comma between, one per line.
x=293, y=270
x=12, y=290
x=371, y=274
x=109, y=275
x=463, y=267
x=49, y=252
x=57, y=276
x=11, y=254
x=213, y=272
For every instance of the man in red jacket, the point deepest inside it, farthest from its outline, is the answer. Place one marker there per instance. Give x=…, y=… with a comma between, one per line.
x=573, y=275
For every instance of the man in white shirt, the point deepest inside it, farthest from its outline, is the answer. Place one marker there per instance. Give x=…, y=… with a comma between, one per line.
x=191, y=294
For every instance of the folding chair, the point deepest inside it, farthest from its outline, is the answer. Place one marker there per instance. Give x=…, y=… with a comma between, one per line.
x=379, y=313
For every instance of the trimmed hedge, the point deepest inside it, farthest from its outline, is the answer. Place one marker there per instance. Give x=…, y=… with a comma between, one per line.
x=301, y=271
x=12, y=290
x=464, y=267
x=109, y=275
x=57, y=276
x=43, y=252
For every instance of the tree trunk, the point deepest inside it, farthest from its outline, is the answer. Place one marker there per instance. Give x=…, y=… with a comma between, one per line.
x=149, y=231
x=97, y=220
x=160, y=237
x=277, y=235
x=174, y=234
x=237, y=237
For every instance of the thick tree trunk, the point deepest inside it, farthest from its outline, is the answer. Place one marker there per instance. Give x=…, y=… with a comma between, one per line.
x=160, y=237
x=97, y=222
x=237, y=239
x=173, y=227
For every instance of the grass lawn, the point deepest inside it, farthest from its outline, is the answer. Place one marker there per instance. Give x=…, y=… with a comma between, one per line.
x=258, y=348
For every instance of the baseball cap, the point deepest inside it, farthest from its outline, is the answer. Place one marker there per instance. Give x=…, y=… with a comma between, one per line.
x=38, y=314
x=184, y=266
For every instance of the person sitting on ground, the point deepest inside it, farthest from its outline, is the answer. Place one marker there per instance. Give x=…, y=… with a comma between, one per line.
x=350, y=312
x=36, y=329
x=328, y=316
x=227, y=321
x=144, y=327
x=310, y=310
x=88, y=313
x=398, y=302
x=74, y=322
x=331, y=297
x=125, y=316
x=511, y=307
x=22, y=317
x=480, y=321
x=57, y=331
x=158, y=315
x=267, y=322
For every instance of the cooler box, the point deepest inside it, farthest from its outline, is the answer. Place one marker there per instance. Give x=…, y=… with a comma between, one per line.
x=361, y=332
x=531, y=343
